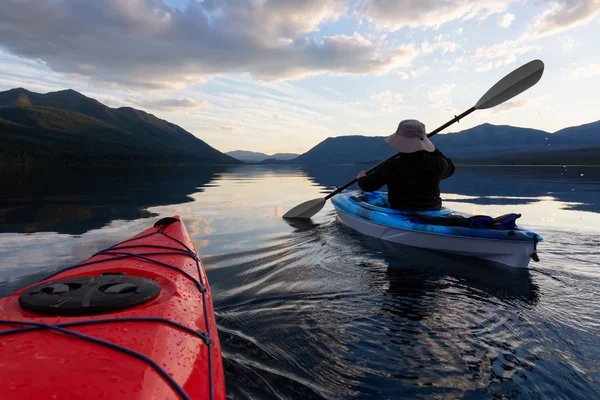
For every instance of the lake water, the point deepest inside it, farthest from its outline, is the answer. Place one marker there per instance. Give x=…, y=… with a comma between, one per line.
x=316, y=310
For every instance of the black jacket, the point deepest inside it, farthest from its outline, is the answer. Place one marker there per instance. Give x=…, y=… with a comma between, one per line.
x=413, y=179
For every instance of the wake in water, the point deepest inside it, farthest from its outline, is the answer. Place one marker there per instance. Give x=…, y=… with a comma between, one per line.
x=327, y=313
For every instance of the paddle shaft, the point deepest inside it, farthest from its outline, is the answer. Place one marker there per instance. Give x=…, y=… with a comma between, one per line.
x=441, y=128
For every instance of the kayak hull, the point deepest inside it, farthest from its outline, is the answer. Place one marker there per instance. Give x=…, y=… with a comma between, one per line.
x=501, y=247
x=513, y=254
x=167, y=347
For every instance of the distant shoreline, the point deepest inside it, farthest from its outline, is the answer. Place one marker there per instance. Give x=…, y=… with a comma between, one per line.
x=527, y=165
x=38, y=167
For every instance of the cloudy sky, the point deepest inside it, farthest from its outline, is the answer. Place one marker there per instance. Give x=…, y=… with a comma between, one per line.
x=282, y=75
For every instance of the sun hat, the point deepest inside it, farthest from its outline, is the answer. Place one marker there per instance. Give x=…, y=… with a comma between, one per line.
x=410, y=137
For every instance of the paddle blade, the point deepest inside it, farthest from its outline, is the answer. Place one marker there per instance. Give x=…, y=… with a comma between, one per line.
x=306, y=209
x=512, y=84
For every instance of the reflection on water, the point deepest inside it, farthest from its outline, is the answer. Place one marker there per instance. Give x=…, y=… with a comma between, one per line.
x=560, y=197
x=314, y=310
x=75, y=202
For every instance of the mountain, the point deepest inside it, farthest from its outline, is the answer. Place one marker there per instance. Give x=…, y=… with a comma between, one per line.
x=482, y=144
x=256, y=157
x=346, y=149
x=284, y=156
x=251, y=156
x=579, y=135
x=488, y=139
x=584, y=156
x=66, y=126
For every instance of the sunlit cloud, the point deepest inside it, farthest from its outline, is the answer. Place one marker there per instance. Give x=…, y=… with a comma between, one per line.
x=396, y=14
x=568, y=45
x=440, y=44
x=585, y=71
x=456, y=64
x=441, y=97
x=171, y=104
x=511, y=105
x=504, y=53
x=420, y=71
x=506, y=20
x=387, y=101
x=149, y=44
x=564, y=15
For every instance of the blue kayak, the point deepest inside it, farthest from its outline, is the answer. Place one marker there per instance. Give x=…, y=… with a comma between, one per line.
x=498, y=240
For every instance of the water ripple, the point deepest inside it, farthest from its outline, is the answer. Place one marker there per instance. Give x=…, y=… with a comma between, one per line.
x=326, y=313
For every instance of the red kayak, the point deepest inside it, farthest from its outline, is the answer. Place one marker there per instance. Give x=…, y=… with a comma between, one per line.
x=134, y=321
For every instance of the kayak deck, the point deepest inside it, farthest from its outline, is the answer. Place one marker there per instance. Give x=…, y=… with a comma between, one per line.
x=165, y=347
x=363, y=212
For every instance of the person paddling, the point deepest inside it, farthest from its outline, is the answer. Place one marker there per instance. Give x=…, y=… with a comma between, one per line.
x=413, y=178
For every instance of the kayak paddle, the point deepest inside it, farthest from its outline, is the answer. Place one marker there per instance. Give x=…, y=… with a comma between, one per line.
x=506, y=88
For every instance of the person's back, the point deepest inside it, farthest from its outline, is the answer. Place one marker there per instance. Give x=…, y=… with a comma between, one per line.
x=413, y=178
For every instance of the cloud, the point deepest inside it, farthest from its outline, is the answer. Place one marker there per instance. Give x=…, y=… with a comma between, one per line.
x=564, y=15
x=442, y=96
x=439, y=44
x=504, y=53
x=484, y=67
x=396, y=14
x=560, y=17
x=568, y=44
x=511, y=105
x=171, y=104
x=504, y=49
x=387, y=101
x=149, y=44
x=585, y=71
x=420, y=71
x=456, y=64
x=506, y=20
x=215, y=128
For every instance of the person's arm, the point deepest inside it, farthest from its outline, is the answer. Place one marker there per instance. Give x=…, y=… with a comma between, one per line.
x=446, y=166
x=373, y=181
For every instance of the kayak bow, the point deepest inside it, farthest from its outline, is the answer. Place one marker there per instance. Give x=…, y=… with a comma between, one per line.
x=134, y=321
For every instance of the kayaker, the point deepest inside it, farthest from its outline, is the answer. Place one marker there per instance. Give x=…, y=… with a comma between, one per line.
x=413, y=178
